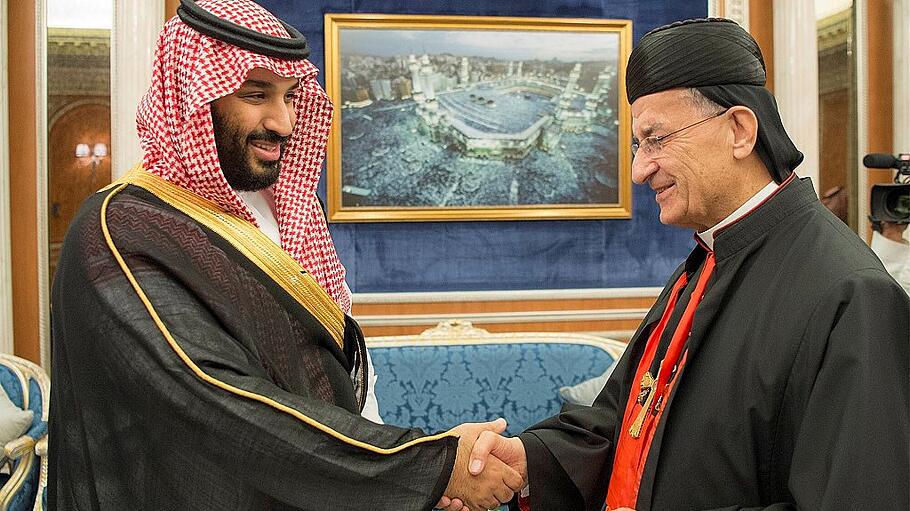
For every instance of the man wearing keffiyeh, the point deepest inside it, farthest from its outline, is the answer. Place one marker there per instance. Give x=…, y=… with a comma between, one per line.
x=203, y=356
x=772, y=373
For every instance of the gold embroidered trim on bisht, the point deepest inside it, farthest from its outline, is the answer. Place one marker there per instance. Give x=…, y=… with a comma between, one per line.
x=131, y=179
x=253, y=244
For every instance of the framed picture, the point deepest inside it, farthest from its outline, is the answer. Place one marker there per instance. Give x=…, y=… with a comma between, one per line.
x=477, y=118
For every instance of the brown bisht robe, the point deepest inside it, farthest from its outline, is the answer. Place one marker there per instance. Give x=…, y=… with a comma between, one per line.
x=795, y=390
x=238, y=395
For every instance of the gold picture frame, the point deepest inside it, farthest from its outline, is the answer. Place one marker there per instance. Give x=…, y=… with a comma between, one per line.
x=453, y=118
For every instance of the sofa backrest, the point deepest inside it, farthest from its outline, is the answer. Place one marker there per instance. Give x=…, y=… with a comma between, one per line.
x=455, y=373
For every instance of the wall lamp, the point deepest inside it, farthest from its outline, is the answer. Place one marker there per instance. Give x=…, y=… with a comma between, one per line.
x=96, y=152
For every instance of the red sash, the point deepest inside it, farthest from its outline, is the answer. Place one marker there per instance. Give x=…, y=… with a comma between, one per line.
x=648, y=396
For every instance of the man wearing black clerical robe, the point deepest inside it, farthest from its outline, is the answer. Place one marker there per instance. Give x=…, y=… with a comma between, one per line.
x=203, y=358
x=772, y=372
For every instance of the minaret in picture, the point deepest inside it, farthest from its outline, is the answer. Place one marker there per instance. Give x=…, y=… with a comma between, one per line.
x=426, y=78
x=416, y=86
x=573, y=79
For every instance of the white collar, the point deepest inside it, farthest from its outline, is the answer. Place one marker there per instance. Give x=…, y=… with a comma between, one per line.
x=262, y=205
x=708, y=236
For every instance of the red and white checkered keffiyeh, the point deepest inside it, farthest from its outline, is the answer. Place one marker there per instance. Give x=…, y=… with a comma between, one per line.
x=176, y=133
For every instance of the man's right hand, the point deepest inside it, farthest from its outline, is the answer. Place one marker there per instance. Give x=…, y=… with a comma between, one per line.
x=497, y=484
x=509, y=450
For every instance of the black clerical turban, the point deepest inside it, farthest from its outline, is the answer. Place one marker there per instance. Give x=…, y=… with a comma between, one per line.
x=723, y=62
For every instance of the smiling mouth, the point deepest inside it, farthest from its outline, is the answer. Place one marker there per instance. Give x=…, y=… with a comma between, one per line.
x=268, y=151
x=662, y=191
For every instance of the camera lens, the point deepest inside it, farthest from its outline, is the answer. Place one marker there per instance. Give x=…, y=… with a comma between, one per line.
x=899, y=203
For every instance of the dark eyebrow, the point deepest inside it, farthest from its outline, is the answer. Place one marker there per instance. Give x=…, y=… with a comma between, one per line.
x=262, y=84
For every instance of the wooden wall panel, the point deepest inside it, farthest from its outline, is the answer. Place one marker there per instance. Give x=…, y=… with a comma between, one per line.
x=617, y=317
x=23, y=178
x=170, y=8
x=502, y=306
x=880, y=75
x=761, y=26
x=834, y=139
x=880, y=72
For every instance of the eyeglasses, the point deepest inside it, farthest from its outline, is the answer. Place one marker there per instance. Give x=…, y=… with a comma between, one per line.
x=652, y=145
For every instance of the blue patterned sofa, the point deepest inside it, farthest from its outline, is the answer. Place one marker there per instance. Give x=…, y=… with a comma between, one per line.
x=28, y=387
x=455, y=373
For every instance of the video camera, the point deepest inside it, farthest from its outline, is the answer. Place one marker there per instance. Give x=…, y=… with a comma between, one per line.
x=891, y=202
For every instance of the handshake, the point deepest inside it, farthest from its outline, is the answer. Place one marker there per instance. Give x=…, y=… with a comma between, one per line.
x=489, y=468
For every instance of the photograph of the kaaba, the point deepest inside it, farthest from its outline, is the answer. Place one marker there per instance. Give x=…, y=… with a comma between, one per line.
x=454, y=118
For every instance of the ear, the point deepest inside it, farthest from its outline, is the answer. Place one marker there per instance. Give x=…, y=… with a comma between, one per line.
x=745, y=131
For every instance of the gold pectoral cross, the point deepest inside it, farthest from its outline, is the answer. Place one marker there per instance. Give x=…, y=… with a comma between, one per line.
x=645, y=398
x=647, y=384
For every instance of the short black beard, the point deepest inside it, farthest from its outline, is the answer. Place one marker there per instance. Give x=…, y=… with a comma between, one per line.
x=236, y=161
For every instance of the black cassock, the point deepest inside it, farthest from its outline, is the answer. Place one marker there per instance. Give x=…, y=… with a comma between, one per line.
x=794, y=394
x=249, y=405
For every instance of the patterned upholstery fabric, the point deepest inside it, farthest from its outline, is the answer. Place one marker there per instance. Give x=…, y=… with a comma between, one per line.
x=25, y=497
x=435, y=383
x=9, y=380
x=13, y=371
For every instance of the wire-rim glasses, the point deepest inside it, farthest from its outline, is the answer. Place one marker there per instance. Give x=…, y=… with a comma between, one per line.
x=652, y=145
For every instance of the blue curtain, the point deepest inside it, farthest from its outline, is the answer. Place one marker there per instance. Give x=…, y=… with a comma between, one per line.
x=462, y=256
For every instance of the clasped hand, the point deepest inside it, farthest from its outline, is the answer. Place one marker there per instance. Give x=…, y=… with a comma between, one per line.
x=489, y=468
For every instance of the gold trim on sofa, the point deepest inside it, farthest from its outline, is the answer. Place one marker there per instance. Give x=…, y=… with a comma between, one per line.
x=449, y=333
